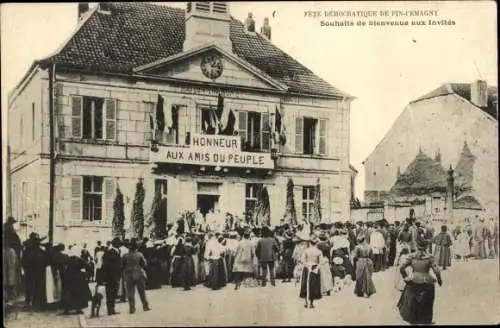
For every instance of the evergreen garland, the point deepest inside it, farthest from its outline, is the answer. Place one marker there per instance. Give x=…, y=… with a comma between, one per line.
x=290, y=215
x=118, y=230
x=138, y=211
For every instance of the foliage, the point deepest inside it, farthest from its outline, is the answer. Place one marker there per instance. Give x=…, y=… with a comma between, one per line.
x=290, y=215
x=138, y=211
x=316, y=210
x=262, y=213
x=118, y=230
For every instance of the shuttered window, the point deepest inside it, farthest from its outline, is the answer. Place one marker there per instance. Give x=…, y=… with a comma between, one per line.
x=76, y=198
x=299, y=130
x=93, y=118
x=76, y=116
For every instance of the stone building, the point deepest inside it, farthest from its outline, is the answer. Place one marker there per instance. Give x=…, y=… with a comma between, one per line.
x=457, y=124
x=103, y=87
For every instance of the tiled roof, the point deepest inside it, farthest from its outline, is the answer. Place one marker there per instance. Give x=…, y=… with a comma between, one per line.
x=135, y=34
x=425, y=176
x=421, y=177
x=467, y=202
x=463, y=90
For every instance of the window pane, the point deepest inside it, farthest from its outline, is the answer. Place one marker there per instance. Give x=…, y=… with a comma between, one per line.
x=97, y=182
x=87, y=184
x=98, y=119
x=87, y=118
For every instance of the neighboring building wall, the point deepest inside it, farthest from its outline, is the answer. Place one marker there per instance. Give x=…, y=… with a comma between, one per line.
x=29, y=172
x=423, y=124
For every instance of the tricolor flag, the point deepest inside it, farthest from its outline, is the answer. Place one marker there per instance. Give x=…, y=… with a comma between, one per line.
x=160, y=115
x=230, y=124
x=279, y=129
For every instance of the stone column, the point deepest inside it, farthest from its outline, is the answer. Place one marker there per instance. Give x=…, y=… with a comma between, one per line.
x=449, y=195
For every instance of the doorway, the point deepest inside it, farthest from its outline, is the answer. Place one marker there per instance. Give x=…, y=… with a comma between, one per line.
x=206, y=203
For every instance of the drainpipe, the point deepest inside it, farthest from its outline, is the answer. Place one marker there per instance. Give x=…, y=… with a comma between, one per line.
x=52, y=160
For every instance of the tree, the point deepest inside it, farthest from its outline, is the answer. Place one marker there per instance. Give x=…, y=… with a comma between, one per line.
x=138, y=211
x=118, y=230
x=316, y=214
x=290, y=215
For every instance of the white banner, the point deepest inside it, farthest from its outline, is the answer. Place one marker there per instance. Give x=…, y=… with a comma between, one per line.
x=213, y=150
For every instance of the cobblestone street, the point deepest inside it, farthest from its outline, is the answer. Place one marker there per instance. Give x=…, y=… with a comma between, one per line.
x=470, y=295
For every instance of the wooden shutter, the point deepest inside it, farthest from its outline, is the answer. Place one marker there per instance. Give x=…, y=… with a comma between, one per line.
x=76, y=116
x=265, y=132
x=76, y=198
x=110, y=128
x=322, y=137
x=109, y=198
x=242, y=126
x=299, y=132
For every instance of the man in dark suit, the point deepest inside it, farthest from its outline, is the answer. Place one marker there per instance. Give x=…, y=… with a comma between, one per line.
x=112, y=268
x=267, y=251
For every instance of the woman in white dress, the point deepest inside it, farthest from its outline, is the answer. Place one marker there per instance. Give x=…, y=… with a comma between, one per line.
x=462, y=246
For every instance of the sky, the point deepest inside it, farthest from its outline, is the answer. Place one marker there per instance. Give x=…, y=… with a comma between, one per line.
x=383, y=67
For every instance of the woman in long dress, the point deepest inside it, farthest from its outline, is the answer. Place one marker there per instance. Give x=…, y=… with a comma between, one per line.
x=301, y=243
x=442, y=249
x=324, y=266
x=53, y=281
x=364, y=269
x=243, y=260
x=462, y=248
x=217, y=273
x=417, y=300
x=187, y=269
x=399, y=283
x=310, y=286
x=75, y=289
x=176, y=271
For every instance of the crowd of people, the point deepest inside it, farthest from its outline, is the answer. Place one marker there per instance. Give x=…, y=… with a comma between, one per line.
x=323, y=259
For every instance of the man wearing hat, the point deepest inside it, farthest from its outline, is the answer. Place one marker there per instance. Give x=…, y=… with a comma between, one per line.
x=287, y=254
x=267, y=250
x=34, y=262
x=112, y=272
x=11, y=254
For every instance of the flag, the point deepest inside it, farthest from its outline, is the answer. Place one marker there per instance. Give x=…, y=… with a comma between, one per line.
x=175, y=118
x=221, y=115
x=230, y=124
x=220, y=106
x=214, y=127
x=279, y=129
x=160, y=115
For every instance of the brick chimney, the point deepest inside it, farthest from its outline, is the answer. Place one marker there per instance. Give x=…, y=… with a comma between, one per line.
x=83, y=7
x=479, y=93
x=207, y=22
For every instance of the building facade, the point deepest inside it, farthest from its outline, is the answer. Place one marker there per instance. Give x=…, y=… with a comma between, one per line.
x=104, y=88
x=457, y=125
